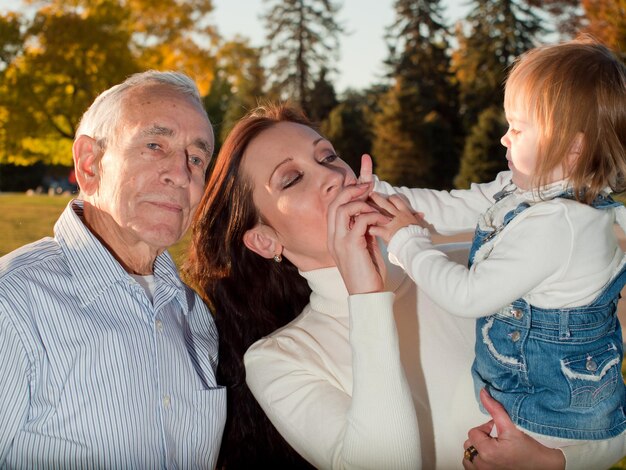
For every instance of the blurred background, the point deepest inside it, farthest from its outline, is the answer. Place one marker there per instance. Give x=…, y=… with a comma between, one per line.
x=415, y=83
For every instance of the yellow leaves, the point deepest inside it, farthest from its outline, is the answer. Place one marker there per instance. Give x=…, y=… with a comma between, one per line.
x=607, y=22
x=51, y=151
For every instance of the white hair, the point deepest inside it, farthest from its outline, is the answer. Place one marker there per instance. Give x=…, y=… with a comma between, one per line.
x=101, y=119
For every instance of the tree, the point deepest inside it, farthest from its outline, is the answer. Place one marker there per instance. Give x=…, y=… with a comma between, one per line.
x=67, y=59
x=174, y=35
x=241, y=67
x=302, y=38
x=494, y=34
x=10, y=38
x=348, y=129
x=394, y=149
x=606, y=20
x=478, y=163
x=323, y=98
x=71, y=50
x=416, y=130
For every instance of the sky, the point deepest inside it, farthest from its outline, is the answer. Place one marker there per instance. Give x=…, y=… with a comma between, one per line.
x=362, y=48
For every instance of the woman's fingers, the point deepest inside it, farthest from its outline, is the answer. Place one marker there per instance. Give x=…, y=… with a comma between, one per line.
x=363, y=221
x=348, y=194
x=391, y=204
x=347, y=214
x=382, y=204
x=365, y=176
x=501, y=418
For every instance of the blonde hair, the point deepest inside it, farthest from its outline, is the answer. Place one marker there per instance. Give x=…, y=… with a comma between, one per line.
x=572, y=89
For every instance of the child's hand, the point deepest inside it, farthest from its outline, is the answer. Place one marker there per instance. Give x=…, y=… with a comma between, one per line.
x=401, y=213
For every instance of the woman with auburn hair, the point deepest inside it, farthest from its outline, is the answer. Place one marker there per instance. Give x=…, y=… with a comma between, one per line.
x=327, y=337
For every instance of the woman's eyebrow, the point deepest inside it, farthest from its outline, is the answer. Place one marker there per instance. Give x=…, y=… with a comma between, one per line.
x=286, y=160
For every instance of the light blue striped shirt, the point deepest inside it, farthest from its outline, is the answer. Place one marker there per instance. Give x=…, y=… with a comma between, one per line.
x=92, y=374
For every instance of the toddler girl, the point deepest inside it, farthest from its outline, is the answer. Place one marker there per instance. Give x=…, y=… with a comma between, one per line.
x=545, y=269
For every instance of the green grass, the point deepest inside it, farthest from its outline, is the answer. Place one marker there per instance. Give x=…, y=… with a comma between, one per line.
x=25, y=219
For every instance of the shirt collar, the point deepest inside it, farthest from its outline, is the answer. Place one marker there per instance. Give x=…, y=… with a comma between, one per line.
x=329, y=292
x=547, y=192
x=94, y=268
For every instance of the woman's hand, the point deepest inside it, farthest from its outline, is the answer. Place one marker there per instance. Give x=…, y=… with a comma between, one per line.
x=355, y=251
x=366, y=172
x=511, y=449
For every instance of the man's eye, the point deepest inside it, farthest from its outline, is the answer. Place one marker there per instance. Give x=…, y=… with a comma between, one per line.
x=196, y=161
x=153, y=146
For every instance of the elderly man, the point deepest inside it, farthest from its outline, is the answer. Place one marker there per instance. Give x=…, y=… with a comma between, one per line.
x=107, y=359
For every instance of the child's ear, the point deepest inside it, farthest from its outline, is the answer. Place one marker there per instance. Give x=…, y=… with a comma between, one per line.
x=574, y=152
x=577, y=146
x=262, y=240
x=87, y=153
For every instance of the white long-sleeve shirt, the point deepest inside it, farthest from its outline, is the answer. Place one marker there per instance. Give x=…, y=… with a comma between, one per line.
x=557, y=253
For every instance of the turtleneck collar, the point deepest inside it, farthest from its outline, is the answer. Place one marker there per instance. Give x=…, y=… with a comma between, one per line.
x=329, y=293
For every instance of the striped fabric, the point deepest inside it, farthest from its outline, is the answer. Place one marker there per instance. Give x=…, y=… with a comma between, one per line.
x=92, y=375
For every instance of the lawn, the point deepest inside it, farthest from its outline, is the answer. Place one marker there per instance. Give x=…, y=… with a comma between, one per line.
x=29, y=218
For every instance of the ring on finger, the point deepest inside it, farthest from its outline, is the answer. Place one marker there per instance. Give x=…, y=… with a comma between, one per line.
x=470, y=453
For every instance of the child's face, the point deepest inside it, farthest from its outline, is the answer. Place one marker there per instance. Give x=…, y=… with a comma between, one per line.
x=522, y=143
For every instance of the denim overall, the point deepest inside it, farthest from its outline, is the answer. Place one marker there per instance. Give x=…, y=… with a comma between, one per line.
x=556, y=371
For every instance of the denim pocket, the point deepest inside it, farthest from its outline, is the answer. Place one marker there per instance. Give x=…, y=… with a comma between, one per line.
x=592, y=376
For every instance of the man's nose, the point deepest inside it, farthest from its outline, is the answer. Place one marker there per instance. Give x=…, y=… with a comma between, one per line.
x=177, y=171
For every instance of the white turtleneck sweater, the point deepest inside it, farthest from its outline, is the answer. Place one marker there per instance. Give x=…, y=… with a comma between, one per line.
x=344, y=388
x=333, y=381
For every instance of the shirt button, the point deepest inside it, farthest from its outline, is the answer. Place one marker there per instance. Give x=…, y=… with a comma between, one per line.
x=516, y=313
x=591, y=365
x=515, y=336
x=159, y=325
x=166, y=401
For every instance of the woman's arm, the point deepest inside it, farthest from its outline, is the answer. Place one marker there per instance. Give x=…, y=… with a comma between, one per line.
x=373, y=425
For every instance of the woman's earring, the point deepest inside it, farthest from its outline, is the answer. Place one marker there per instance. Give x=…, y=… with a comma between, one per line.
x=278, y=258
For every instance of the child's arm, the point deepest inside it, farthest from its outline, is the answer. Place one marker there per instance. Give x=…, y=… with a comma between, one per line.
x=449, y=212
x=533, y=250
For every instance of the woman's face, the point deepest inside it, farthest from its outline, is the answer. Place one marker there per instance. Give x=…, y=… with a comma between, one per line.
x=296, y=174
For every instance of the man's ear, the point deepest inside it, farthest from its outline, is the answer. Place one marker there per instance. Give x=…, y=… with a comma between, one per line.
x=87, y=153
x=262, y=240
